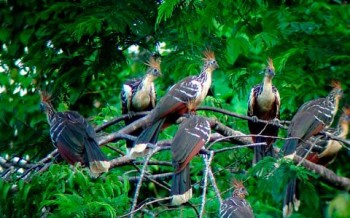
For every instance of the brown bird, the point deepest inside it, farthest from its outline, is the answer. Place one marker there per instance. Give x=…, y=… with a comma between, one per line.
x=139, y=95
x=191, y=136
x=319, y=151
x=184, y=97
x=237, y=206
x=311, y=118
x=74, y=138
x=264, y=103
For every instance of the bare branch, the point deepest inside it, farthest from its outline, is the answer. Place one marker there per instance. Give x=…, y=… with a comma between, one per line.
x=282, y=123
x=118, y=119
x=146, y=204
x=327, y=175
x=138, y=187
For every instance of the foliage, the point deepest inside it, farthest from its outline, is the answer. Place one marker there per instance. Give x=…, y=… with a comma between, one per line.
x=80, y=51
x=61, y=191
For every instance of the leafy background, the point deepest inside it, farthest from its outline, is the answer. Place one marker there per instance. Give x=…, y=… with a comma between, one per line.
x=83, y=50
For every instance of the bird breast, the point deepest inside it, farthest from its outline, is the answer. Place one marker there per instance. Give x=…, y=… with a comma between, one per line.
x=142, y=98
x=265, y=100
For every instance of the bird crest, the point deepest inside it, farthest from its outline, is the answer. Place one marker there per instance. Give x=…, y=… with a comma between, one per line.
x=45, y=96
x=237, y=184
x=270, y=64
x=154, y=63
x=336, y=84
x=346, y=110
x=209, y=55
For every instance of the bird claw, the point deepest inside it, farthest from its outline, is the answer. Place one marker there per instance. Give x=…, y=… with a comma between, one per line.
x=276, y=122
x=255, y=119
x=131, y=114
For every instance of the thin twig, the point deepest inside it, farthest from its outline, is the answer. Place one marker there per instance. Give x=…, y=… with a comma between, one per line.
x=146, y=204
x=207, y=162
x=118, y=119
x=282, y=123
x=139, y=184
x=213, y=182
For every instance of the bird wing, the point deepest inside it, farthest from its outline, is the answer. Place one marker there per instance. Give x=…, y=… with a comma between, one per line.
x=277, y=102
x=177, y=98
x=254, y=92
x=128, y=90
x=69, y=132
x=191, y=136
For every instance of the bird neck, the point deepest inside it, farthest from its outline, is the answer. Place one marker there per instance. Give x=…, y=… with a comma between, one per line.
x=50, y=112
x=343, y=128
x=149, y=78
x=334, y=98
x=267, y=87
x=205, y=74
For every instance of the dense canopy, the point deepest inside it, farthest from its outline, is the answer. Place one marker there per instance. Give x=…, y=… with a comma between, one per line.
x=82, y=51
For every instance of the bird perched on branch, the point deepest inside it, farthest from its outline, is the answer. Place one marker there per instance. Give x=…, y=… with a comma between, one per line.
x=191, y=136
x=325, y=150
x=236, y=206
x=319, y=151
x=74, y=138
x=264, y=103
x=184, y=97
x=139, y=94
x=311, y=118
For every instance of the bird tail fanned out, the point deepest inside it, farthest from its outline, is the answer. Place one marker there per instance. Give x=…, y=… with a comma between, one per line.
x=263, y=150
x=289, y=147
x=148, y=135
x=291, y=202
x=96, y=160
x=181, y=189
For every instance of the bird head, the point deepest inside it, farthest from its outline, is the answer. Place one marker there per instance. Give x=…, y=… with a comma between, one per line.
x=209, y=60
x=337, y=91
x=239, y=189
x=270, y=69
x=154, y=67
x=45, y=101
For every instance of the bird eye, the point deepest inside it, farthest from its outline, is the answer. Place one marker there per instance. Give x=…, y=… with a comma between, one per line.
x=155, y=70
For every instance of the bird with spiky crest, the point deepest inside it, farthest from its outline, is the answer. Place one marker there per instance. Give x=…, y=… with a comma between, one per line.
x=74, y=138
x=311, y=118
x=139, y=94
x=264, y=103
x=321, y=151
x=183, y=97
x=237, y=206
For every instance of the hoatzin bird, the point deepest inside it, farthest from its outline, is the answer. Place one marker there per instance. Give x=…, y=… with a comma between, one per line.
x=237, y=206
x=264, y=103
x=74, y=138
x=311, y=118
x=191, y=136
x=139, y=94
x=319, y=151
x=182, y=98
